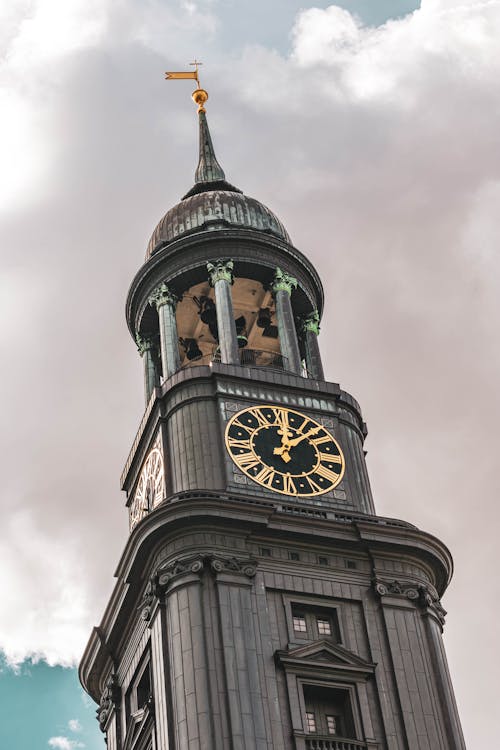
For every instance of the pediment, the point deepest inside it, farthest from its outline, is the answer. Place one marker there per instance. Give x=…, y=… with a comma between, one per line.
x=324, y=653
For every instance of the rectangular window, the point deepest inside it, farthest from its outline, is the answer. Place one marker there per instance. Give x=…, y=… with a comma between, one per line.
x=294, y=556
x=265, y=552
x=331, y=724
x=299, y=624
x=310, y=721
x=323, y=560
x=324, y=626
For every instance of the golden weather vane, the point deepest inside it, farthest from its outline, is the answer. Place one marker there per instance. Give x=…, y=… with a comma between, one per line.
x=199, y=95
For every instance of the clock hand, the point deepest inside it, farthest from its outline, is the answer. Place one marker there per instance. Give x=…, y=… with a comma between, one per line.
x=285, y=447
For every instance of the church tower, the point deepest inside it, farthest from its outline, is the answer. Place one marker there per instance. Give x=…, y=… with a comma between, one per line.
x=260, y=602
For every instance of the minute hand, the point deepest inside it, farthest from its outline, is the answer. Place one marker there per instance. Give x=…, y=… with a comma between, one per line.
x=295, y=441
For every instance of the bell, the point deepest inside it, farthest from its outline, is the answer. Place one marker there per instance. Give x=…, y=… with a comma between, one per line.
x=192, y=349
x=208, y=313
x=241, y=324
x=264, y=318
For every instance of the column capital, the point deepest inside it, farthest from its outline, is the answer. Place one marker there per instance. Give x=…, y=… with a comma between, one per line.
x=310, y=322
x=283, y=282
x=220, y=270
x=110, y=700
x=144, y=344
x=162, y=295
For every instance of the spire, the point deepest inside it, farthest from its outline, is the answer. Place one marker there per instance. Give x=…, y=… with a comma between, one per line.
x=209, y=169
x=209, y=174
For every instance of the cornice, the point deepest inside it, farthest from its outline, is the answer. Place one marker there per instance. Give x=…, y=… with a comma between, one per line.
x=195, y=509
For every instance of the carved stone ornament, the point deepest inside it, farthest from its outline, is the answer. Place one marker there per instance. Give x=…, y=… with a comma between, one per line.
x=310, y=322
x=247, y=568
x=283, y=282
x=168, y=573
x=110, y=699
x=148, y=600
x=422, y=596
x=144, y=344
x=162, y=295
x=221, y=270
x=196, y=565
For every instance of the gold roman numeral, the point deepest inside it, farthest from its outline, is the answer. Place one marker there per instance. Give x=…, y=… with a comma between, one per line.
x=247, y=461
x=238, y=443
x=331, y=458
x=328, y=474
x=289, y=485
x=261, y=419
x=265, y=476
x=241, y=426
x=281, y=418
x=321, y=440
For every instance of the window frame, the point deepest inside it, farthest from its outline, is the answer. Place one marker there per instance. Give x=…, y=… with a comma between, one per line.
x=313, y=607
x=331, y=684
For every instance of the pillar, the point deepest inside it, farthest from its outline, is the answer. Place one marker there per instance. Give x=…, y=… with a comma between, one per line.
x=165, y=302
x=434, y=614
x=146, y=349
x=282, y=287
x=310, y=332
x=221, y=278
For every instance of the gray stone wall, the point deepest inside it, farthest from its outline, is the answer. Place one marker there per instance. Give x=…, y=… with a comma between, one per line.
x=217, y=627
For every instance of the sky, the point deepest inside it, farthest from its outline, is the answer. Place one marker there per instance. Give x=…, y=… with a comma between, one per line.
x=371, y=130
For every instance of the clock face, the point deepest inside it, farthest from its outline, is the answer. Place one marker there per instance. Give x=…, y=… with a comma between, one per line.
x=150, y=488
x=284, y=450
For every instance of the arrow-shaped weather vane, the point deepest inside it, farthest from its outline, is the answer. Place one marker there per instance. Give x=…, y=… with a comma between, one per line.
x=200, y=96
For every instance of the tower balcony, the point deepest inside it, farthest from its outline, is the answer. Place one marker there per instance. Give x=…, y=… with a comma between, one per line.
x=327, y=742
x=248, y=358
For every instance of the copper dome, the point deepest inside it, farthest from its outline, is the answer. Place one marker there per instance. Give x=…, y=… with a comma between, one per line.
x=211, y=210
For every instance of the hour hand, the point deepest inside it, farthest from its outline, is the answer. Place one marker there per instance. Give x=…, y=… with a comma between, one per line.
x=283, y=452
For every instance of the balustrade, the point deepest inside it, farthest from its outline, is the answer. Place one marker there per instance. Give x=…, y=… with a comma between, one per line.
x=333, y=743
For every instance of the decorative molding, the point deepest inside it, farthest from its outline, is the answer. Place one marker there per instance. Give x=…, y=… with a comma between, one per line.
x=148, y=600
x=233, y=565
x=310, y=323
x=144, y=344
x=221, y=270
x=422, y=596
x=283, y=282
x=168, y=573
x=110, y=700
x=162, y=295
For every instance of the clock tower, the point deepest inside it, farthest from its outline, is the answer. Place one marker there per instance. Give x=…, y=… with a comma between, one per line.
x=260, y=602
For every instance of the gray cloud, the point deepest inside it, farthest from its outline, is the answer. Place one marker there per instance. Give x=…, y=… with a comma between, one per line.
x=385, y=170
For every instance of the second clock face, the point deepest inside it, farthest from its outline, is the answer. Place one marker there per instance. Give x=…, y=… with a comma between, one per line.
x=284, y=450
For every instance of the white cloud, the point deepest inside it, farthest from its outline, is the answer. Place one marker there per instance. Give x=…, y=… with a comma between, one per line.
x=63, y=743
x=393, y=60
x=385, y=153
x=74, y=725
x=54, y=598
x=51, y=30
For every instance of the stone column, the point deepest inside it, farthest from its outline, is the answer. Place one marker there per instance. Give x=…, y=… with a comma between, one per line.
x=221, y=278
x=180, y=582
x=146, y=349
x=165, y=302
x=434, y=615
x=282, y=287
x=310, y=332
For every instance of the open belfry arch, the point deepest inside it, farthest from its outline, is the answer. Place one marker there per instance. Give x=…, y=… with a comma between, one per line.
x=260, y=602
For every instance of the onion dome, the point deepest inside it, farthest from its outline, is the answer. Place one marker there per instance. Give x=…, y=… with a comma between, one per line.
x=213, y=203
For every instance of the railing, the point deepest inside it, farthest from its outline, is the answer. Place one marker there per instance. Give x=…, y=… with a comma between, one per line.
x=319, y=742
x=248, y=358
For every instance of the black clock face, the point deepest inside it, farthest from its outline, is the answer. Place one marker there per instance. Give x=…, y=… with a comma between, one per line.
x=284, y=450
